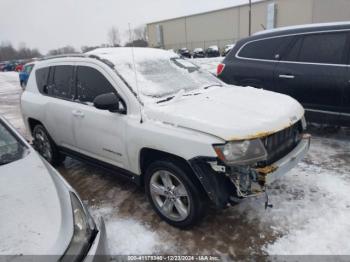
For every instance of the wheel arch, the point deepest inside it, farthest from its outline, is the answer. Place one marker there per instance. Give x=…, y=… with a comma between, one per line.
x=150, y=155
x=32, y=122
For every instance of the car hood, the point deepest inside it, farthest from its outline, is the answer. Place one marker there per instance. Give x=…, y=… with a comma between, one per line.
x=36, y=215
x=230, y=112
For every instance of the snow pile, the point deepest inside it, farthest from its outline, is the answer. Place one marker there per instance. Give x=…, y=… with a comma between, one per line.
x=10, y=92
x=311, y=205
x=317, y=227
x=129, y=236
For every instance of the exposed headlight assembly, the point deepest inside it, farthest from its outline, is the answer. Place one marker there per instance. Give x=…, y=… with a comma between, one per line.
x=241, y=152
x=84, y=231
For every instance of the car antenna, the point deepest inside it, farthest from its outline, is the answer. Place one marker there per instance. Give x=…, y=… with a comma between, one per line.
x=134, y=66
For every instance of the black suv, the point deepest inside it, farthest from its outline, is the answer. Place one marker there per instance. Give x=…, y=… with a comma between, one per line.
x=309, y=63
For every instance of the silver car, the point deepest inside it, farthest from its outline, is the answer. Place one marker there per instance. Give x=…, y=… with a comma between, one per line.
x=41, y=214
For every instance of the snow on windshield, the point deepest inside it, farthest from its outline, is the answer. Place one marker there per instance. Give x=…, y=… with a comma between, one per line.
x=158, y=73
x=162, y=77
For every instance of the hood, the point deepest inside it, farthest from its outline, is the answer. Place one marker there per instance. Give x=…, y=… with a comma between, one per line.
x=36, y=214
x=230, y=112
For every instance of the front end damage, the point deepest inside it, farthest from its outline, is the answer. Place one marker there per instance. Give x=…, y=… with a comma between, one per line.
x=227, y=184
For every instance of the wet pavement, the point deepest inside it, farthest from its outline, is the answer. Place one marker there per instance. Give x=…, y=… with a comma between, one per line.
x=242, y=230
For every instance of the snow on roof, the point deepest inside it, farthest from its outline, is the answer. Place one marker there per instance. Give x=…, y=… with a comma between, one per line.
x=301, y=27
x=198, y=49
x=119, y=55
x=214, y=47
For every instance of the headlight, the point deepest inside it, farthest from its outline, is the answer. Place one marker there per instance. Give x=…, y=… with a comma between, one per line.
x=241, y=152
x=84, y=231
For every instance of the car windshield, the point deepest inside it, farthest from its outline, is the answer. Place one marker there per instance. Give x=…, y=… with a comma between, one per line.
x=166, y=76
x=11, y=149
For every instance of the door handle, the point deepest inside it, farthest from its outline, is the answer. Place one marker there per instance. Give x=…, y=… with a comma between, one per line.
x=78, y=113
x=286, y=76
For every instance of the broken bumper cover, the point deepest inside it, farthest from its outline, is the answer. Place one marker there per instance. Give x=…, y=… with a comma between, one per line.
x=218, y=182
x=98, y=249
x=270, y=173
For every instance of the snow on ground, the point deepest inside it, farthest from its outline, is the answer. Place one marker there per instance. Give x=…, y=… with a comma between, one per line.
x=209, y=64
x=311, y=204
x=128, y=236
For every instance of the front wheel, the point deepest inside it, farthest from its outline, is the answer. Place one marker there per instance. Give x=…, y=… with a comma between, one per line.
x=46, y=147
x=173, y=195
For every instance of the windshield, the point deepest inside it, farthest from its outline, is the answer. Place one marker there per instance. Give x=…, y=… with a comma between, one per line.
x=165, y=76
x=11, y=149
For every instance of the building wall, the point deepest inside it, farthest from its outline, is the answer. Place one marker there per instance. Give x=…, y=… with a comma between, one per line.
x=226, y=26
x=331, y=10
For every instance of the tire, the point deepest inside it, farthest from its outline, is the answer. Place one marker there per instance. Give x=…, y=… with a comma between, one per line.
x=46, y=147
x=182, y=206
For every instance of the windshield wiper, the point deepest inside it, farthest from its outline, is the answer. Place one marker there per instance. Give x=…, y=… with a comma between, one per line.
x=165, y=100
x=206, y=87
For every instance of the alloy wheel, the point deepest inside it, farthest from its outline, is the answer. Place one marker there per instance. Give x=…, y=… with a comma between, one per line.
x=42, y=144
x=170, y=195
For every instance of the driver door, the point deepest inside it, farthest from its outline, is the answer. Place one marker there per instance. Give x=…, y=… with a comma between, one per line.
x=99, y=134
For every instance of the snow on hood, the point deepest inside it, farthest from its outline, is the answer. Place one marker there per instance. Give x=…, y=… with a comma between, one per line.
x=231, y=112
x=34, y=209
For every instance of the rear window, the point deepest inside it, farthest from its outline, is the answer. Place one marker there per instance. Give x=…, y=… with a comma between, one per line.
x=266, y=49
x=323, y=48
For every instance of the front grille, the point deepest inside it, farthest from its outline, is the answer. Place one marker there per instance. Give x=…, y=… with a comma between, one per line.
x=281, y=143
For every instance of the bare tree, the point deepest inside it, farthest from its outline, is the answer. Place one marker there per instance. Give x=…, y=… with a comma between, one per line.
x=114, y=36
x=63, y=50
x=8, y=52
x=140, y=33
x=137, y=37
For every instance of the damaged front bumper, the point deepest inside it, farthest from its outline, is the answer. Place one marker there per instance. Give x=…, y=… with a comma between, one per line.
x=227, y=184
x=270, y=173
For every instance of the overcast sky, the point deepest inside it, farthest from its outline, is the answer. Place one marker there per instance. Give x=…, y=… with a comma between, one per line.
x=49, y=24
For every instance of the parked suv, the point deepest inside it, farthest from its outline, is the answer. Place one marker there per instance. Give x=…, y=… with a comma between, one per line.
x=309, y=63
x=166, y=124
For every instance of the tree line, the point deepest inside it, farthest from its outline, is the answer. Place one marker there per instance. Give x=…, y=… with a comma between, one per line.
x=136, y=37
x=8, y=52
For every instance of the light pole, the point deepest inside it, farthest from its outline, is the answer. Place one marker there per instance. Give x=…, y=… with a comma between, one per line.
x=250, y=17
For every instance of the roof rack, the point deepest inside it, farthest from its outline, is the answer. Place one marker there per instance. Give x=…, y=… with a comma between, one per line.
x=62, y=56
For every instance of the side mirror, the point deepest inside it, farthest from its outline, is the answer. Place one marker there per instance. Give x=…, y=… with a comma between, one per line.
x=109, y=101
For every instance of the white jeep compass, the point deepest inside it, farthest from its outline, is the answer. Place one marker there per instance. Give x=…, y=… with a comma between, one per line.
x=166, y=124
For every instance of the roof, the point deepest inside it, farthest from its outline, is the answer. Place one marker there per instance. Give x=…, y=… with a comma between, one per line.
x=305, y=28
x=118, y=55
x=206, y=12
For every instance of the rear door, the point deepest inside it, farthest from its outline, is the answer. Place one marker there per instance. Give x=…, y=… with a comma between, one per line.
x=59, y=103
x=313, y=71
x=99, y=133
x=255, y=62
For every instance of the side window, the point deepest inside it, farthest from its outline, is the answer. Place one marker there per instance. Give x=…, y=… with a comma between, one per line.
x=265, y=49
x=323, y=48
x=42, y=75
x=293, y=53
x=62, y=82
x=91, y=83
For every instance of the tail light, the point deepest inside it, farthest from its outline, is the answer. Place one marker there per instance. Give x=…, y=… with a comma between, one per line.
x=219, y=69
